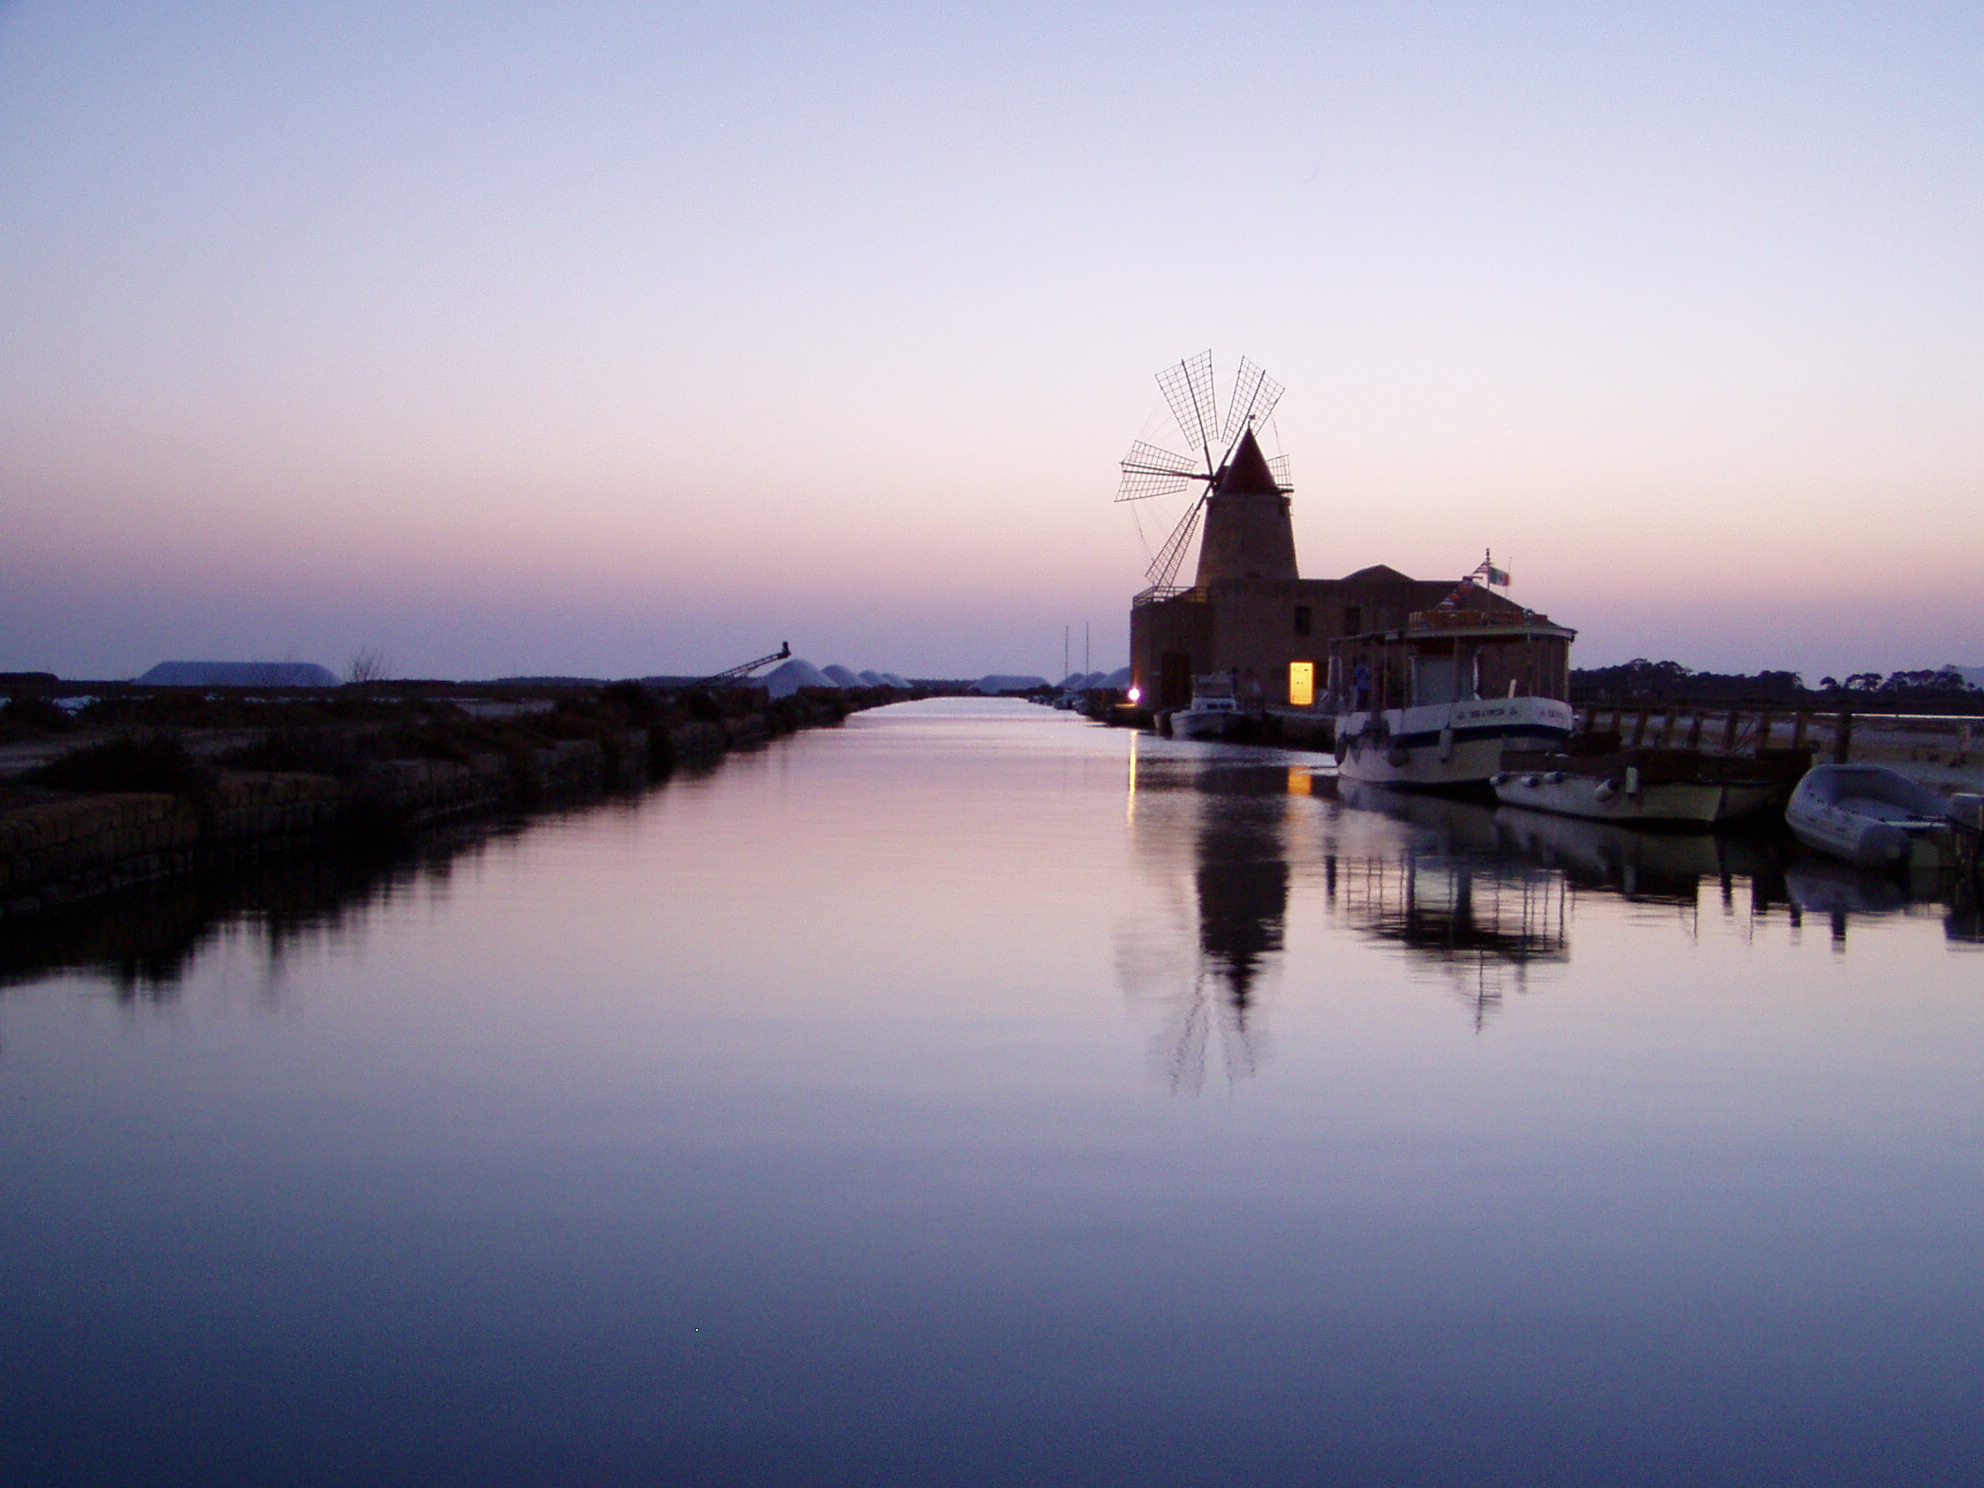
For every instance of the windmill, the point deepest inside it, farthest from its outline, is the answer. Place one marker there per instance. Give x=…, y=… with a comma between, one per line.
x=1221, y=454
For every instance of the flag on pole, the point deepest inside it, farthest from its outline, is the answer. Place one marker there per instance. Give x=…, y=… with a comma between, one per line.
x=1489, y=574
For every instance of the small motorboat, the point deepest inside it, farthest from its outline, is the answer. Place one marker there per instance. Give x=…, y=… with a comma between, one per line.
x=1214, y=714
x=1597, y=778
x=1872, y=816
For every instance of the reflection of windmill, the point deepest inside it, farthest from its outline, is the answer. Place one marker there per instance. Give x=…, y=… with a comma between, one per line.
x=1204, y=962
x=1246, y=492
x=1156, y=967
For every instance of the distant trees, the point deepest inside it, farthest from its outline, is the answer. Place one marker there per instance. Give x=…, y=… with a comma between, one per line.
x=1640, y=678
x=1669, y=681
x=368, y=665
x=1926, y=685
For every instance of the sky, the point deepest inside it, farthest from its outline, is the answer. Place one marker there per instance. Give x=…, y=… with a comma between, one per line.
x=618, y=339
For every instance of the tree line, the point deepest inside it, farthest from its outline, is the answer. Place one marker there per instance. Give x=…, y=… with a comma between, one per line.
x=1941, y=687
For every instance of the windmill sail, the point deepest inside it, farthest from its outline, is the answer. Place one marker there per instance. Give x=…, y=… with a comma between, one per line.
x=1254, y=397
x=1234, y=476
x=1188, y=388
x=1164, y=567
x=1151, y=471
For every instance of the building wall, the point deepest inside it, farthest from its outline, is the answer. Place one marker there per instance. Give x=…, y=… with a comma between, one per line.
x=1181, y=626
x=1250, y=626
x=1247, y=536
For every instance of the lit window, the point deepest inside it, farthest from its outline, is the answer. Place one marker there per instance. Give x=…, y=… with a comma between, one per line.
x=1301, y=683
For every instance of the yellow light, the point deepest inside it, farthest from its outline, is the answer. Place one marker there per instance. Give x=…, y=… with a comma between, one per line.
x=1136, y=694
x=1301, y=683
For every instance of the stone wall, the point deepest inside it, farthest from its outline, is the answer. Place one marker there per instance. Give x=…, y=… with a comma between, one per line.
x=82, y=847
x=63, y=851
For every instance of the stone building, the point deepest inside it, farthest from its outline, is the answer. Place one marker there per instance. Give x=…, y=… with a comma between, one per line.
x=1250, y=612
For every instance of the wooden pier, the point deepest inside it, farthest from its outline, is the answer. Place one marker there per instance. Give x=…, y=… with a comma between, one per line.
x=1943, y=740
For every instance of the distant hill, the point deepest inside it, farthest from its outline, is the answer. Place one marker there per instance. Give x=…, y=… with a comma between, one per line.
x=240, y=674
x=1091, y=681
x=999, y=683
x=788, y=677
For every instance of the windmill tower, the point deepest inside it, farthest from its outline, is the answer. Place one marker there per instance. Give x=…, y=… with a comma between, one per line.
x=1244, y=501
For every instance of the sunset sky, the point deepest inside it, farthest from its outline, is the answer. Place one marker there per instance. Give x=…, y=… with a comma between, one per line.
x=618, y=339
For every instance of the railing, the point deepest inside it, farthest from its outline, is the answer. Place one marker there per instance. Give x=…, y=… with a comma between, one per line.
x=1527, y=622
x=1158, y=594
x=1924, y=738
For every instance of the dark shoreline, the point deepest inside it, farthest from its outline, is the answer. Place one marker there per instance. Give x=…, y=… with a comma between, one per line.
x=148, y=806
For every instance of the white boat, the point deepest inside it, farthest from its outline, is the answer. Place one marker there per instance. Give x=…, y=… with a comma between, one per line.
x=1872, y=816
x=1682, y=787
x=1214, y=714
x=1612, y=798
x=1437, y=702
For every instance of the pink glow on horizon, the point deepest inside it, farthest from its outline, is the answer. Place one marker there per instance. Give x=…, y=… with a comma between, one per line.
x=618, y=341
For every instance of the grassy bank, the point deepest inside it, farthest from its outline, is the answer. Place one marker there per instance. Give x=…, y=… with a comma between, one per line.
x=151, y=787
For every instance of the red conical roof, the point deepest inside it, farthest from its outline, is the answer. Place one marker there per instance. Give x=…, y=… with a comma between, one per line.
x=1247, y=473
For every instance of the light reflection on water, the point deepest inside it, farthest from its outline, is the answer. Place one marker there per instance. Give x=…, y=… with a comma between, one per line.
x=974, y=1095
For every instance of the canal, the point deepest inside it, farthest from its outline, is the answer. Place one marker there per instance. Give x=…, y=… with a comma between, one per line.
x=974, y=1095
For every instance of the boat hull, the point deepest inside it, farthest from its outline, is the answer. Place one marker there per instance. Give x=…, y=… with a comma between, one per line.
x=1446, y=744
x=1680, y=802
x=1871, y=816
x=1191, y=724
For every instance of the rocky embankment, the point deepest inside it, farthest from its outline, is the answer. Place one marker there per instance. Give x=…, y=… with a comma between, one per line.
x=147, y=799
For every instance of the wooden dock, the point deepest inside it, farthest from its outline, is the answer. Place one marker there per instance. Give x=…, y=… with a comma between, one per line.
x=1940, y=749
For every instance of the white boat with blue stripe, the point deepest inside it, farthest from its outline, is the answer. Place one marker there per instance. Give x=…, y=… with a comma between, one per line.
x=1435, y=702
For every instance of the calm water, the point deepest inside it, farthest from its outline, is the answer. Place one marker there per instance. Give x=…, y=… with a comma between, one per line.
x=973, y=1095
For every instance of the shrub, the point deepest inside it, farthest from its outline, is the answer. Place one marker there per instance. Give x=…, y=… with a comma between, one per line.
x=141, y=762
x=31, y=717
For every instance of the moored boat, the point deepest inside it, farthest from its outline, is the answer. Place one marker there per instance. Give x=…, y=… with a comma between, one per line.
x=1872, y=816
x=1214, y=713
x=1594, y=777
x=1436, y=702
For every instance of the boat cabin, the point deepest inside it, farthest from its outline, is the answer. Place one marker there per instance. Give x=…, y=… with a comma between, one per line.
x=1214, y=694
x=1449, y=655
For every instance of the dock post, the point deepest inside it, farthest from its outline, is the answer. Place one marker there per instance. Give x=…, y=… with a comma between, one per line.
x=1842, y=738
x=1695, y=730
x=1798, y=733
x=1639, y=729
x=1764, y=721
x=1729, y=733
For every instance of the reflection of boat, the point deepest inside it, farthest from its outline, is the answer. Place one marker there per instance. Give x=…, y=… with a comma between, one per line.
x=1463, y=826
x=1820, y=887
x=1872, y=816
x=1648, y=785
x=1484, y=921
x=1434, y=704
x=1640, y=865
x=1617, y=857
x=1436, y=875
x=1839, y=890
x=1214, y=714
